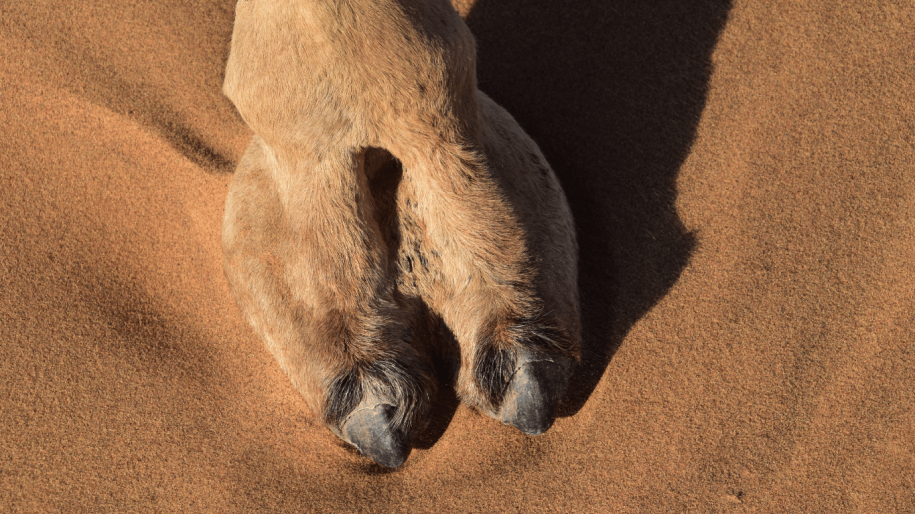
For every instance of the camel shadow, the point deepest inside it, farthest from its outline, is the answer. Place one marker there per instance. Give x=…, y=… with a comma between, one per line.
x=612, y=92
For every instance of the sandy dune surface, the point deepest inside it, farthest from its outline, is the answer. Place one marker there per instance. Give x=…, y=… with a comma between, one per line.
x=743, y=179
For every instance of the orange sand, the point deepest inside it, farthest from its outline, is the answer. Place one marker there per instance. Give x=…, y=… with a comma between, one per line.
x=743, y=179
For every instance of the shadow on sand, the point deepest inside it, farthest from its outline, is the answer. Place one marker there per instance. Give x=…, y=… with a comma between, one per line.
x=612, y=91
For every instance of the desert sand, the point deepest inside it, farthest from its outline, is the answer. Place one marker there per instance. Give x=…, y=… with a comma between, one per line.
x=742, y=176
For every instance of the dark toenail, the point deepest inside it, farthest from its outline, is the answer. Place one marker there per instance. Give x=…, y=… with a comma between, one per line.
x=532, y=395
x=369, y=430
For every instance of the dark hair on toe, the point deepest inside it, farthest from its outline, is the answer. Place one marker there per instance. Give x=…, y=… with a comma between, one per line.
x=496, y=356
x=405, y=383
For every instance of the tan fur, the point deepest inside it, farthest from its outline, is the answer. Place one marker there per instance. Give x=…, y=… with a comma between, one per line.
x=382, y=192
